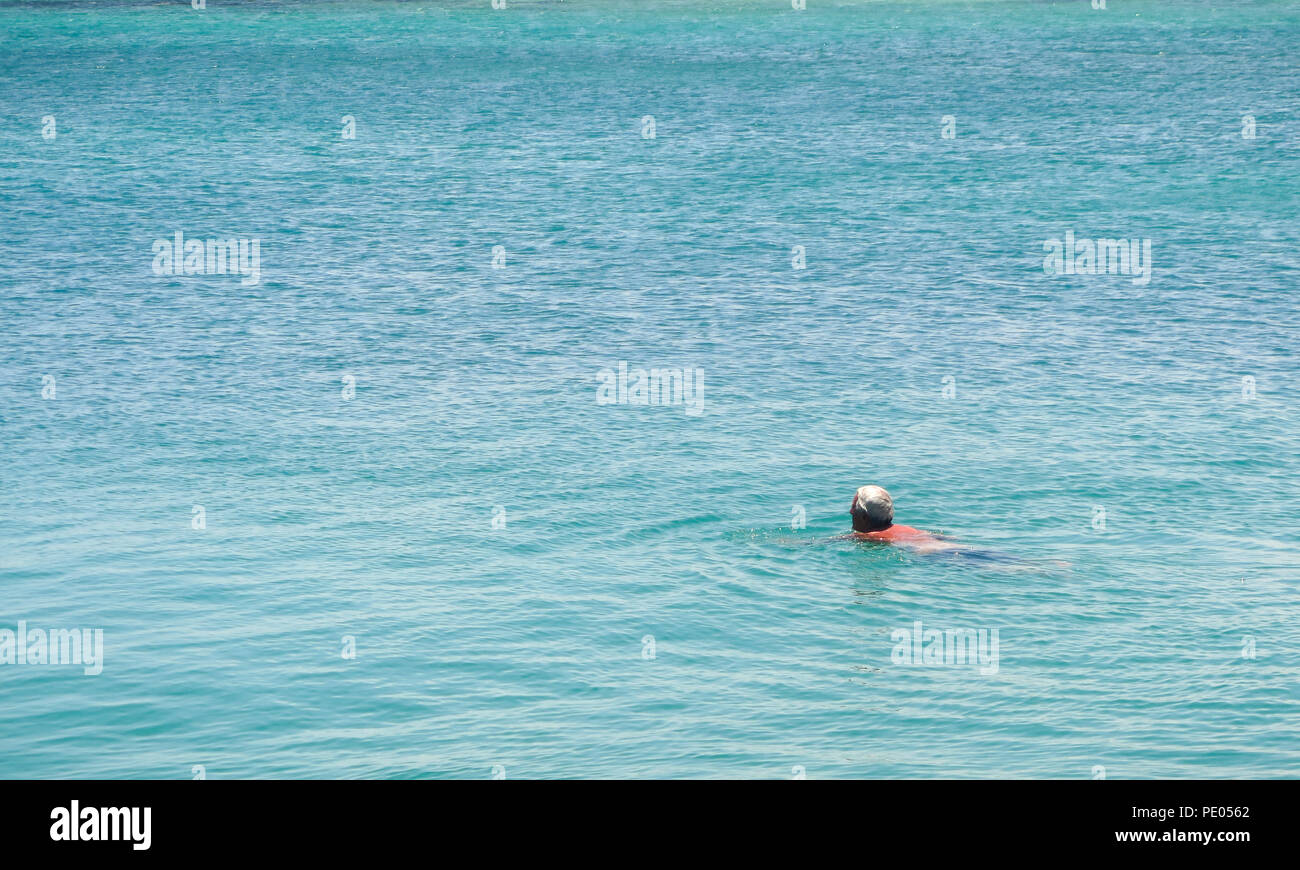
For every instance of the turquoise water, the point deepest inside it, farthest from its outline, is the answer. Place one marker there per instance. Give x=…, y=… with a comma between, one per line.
x=524, y=649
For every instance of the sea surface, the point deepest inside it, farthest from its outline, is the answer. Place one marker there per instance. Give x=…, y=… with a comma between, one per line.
x=369, y=517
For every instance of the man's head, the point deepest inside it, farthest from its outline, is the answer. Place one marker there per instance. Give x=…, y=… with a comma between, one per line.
x=872, y=510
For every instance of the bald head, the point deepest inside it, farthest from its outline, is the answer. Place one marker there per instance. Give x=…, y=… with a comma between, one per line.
x=872, y=510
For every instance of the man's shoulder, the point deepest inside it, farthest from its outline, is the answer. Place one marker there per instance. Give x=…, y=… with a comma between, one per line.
x=899, y=531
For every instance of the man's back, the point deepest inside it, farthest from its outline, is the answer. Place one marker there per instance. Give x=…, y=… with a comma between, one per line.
x=895, y=533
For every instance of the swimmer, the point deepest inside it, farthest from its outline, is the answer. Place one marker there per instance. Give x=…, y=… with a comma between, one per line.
x=873, y=520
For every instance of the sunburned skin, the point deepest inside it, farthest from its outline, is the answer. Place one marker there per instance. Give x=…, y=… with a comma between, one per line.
x=896, y=534
x=905, y=536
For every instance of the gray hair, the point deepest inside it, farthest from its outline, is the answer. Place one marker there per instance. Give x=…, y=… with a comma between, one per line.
x=876, y=504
